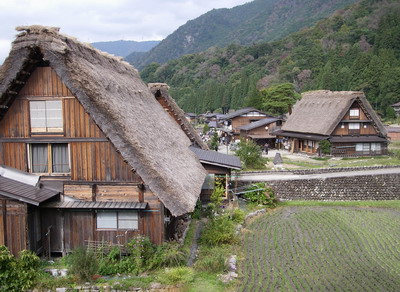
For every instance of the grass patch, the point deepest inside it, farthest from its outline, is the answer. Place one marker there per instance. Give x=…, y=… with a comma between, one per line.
x=207, y=282
x=378, y=204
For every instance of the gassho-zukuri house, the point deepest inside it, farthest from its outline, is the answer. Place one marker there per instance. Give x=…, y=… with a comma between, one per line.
x=108, y=162
x=344, y=118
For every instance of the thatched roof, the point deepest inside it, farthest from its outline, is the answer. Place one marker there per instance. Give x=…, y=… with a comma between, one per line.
x=160, y=90
x=320, y=111
x=119, y=102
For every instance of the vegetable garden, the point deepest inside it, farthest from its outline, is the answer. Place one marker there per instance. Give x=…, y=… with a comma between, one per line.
x=322, y=249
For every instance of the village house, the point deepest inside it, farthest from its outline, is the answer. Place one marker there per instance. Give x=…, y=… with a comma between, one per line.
x=344, y=118
x=235, y=120
x=219, y=166
x=261, y=131
x=111, y=162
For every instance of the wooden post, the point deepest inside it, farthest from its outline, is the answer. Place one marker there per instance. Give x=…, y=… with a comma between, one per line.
x=4, y=207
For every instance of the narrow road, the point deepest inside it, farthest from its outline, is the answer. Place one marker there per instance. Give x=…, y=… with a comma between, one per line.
x=253, y=177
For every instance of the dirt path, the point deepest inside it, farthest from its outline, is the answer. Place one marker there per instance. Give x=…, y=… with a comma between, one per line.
x=195, y=245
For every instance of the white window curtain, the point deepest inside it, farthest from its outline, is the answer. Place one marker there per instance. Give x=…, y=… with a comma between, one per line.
x=354, y=126
x=107, y=220
x=39, y=154
x=127, y=220
x=46, y=115
x=354, y=112
x=60, y=158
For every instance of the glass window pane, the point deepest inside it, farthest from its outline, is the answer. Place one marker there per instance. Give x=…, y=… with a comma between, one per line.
x=54, y=114
x=39, y=158
x=359, y=147
x=128, y=220
x=209, y=182
x=60, y=158
x=106, y=220
x=38, y=116
x=354, y=112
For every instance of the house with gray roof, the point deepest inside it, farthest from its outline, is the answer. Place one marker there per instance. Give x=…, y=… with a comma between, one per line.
x=344, y=118
x=262, y=131
x=86, y=123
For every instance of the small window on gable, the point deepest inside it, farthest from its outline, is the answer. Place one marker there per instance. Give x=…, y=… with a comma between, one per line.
x=354, y=113
x=46, y=116
x=354, y=126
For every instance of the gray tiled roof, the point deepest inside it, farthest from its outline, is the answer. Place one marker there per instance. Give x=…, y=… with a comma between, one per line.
x=258, y=123
x=216, y=158
x=24, y=192
x=242, y=112
x=97, y=205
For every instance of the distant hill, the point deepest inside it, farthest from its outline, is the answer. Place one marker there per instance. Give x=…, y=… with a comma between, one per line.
x=124, y=48
x=251, y=23
x=357, y=48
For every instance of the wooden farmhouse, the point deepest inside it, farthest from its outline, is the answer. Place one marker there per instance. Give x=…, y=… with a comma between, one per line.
x=344, y=118
x=113, y=162
x=219, y=166
x=237, y=119
x=262, y=131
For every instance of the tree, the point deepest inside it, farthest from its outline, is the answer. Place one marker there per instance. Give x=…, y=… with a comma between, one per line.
x=250, y=155
x=278, y=98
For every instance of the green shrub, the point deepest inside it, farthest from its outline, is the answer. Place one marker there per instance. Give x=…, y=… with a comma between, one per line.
x=18, y=274
x=395, y=153
x=169, y=254
x=177, y=275
x=140, y=250
x=262, y=195
x=212, y=260
x=250, y=155
x=219, y=230
x=237, y=215
x=83, y=264
x=325, y=146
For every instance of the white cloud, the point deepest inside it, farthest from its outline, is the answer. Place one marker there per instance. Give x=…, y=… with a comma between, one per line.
x=103, y=20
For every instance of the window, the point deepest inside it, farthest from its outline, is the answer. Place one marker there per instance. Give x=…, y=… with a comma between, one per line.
x=376, y=148
x=354, y=113
x=117, y=220
x=354, y=126
x=46, y=116
x=209, y=182
x=49, y=158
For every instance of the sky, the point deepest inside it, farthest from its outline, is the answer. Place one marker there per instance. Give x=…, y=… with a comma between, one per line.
x=103, y=20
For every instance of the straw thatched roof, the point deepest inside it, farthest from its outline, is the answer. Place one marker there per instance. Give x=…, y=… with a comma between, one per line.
x=160, y=90
x=113, y=94
x=320, y=111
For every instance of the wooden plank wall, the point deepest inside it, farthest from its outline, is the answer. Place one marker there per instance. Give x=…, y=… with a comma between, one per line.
x=14, y=155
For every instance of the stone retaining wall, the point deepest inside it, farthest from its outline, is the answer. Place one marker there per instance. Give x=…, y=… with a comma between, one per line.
x=367, y=187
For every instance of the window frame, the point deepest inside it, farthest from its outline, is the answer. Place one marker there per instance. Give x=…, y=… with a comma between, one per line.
x=352, y=115
x=50, y=164
x=46, y=129
x=118, y=220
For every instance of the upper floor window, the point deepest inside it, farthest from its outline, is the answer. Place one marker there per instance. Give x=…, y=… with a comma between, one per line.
x=46, y=116
x=49, y=158
x=354, y=113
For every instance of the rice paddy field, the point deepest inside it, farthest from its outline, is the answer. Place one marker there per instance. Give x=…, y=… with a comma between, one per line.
x=322, y=248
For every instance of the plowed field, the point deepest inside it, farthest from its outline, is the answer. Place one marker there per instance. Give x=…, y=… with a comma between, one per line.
x=322, y=249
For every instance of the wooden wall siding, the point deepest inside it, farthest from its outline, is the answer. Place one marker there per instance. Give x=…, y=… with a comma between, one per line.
x=241, y=121
x=16, y=225
x=77, y=122
x=117, y=193
x=78, y=227
x=44, y=82
x=369, y=130
x=80, y=192
x=15, y=123
x=99, y=161
x=153, y=223
x=53, y=218
x=216, y=169
x=14, y=155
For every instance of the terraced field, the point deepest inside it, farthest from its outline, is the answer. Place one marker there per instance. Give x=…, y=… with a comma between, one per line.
x=322, y=249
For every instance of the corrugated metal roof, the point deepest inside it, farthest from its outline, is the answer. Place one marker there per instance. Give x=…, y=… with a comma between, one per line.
x=258, y=123
x=96, y=205
x=24, y=192
x=216, y=158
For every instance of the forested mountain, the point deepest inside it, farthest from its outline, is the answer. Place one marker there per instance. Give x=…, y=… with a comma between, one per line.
x=354, y=49
x=253, y=22
x=124, y=48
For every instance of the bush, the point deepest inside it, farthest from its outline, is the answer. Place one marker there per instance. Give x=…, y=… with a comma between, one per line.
x=220, y=230
x=178, y=275
x=18, y=274
x=262, y=195
x=169, y=254
x=250, y=155
x=83, y=264
x=212, y=260
x=325, y=146
x=237, y=216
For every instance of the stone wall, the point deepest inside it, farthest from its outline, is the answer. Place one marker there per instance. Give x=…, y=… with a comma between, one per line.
x=367, y=187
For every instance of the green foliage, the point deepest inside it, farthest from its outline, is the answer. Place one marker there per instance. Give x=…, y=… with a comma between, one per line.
x=169, y=254
x=214, y=141
x=177, y=275
x=18, y=274
x=83, y=264
x=219, y=230
x=262, y=195
x=237, y=215
x=277, y=99
x=325, y=146
x=250, y=155
x=206, y=128
x=212, y=259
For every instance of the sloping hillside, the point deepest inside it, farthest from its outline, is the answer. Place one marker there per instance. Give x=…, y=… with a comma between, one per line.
x=124, y=48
